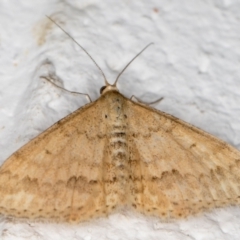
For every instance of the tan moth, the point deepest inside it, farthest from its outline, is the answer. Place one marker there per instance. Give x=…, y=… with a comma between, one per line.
x=115, y=152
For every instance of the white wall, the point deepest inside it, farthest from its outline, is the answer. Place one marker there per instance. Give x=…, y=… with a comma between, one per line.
x=194, y=64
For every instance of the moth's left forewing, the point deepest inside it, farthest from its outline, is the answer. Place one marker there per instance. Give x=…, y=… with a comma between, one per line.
x=184, y=170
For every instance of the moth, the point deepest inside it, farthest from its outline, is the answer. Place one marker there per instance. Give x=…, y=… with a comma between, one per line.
x=115, y=152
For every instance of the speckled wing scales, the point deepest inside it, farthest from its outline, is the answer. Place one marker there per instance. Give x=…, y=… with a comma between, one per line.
x=181, y=170
x=115, y=152
x=59, y=174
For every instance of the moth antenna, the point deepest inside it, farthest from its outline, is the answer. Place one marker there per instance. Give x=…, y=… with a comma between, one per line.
x=130, y=63
x=105, y=79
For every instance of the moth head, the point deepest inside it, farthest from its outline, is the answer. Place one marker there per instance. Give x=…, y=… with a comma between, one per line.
x=108, y=88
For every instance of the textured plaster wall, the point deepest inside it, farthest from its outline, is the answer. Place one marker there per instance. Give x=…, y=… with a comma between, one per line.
x=194, y=64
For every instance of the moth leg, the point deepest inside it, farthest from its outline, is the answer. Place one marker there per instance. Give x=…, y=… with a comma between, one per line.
x=135, y=99
x=51, y=81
